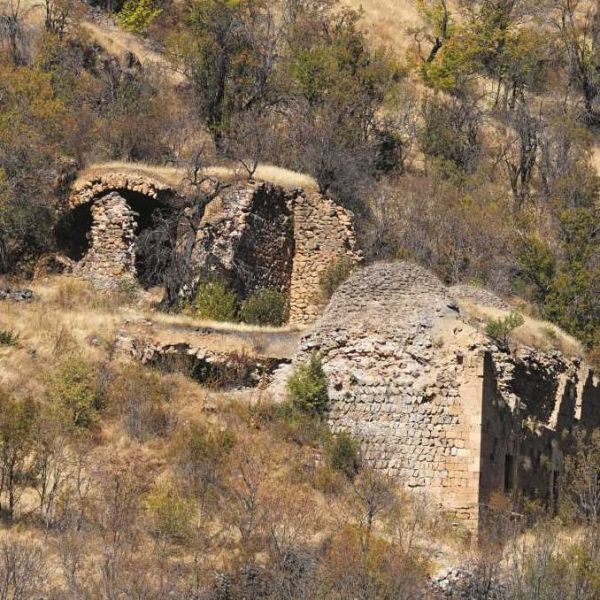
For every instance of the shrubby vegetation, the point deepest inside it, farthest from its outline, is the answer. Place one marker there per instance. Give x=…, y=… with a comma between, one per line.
x=501, y=329
x=265, y=307
x=138, y=486
x=307, y=386
x=214, y=300
x=8, y=337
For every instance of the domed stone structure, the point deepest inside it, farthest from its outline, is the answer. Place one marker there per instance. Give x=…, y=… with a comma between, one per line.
x=434, y=402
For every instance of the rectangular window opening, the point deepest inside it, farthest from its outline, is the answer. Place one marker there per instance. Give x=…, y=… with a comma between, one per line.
x=509, y=473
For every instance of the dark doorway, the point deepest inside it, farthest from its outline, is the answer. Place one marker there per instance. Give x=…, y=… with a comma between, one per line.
x=509, y=473
x=71, y=232
x=156, y=220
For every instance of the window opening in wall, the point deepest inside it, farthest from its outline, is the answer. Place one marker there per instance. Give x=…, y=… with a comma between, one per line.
x=508, y=473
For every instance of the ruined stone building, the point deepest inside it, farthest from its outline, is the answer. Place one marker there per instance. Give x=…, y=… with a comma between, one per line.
x=434, y=403
x=252, y=234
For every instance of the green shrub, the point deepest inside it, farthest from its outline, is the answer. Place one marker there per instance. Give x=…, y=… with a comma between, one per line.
x=72, y=390
x=343, y=454
x=501, y=329
x=214, y=300
x=298, y=426
x=450, y=133
x=8, y=338
x=265, y=307
x=138, y=15
x=171, y=513
x=334, y=275
x=307, y=387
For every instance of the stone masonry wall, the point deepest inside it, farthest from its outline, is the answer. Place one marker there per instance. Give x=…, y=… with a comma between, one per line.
x=434, y=403
x=111, y=255
x=414, y=408
x=254, y=235
x=245, y=236
x=88, y=190
x=261, y=235
x=323, y=233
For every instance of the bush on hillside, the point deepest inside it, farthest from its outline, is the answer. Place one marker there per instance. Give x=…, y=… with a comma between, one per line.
x=214, y=300
x=137, y=15
x=267, y=306
x=296, y=425
x=200, y=454
x=334, y=275
x=307, y=387
x=142, y=399
x=501, y=329
x=72, y=390
x=171, y=512
x=8, y=337
x=343, y=454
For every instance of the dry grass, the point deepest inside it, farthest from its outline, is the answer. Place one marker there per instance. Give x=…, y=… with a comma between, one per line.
x=116, y=41
x=69, y=316
x=268, y=173
x=388, y=22
x=168, y=176
x=174, y=177
x=534, y=333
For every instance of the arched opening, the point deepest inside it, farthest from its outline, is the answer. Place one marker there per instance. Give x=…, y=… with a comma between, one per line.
x=156, y=221
x=155, y=235
x=71, y=232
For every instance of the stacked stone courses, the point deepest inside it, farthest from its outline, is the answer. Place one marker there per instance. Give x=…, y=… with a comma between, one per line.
x=432, y=401
x=254, y=235
x=111, y=257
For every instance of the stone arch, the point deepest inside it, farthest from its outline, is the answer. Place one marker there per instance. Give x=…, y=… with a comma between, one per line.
x=254, y=234
x=107, y=212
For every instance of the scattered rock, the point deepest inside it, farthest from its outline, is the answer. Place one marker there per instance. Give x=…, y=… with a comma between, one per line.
x=23, y=295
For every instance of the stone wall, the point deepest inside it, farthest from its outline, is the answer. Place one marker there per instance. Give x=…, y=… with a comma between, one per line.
x=434, y=403
x=244, y=236
x=323, y=233
x=413, y=403
x=532, y=401
x=111, y=255
x=252, y=234
x=261, y=235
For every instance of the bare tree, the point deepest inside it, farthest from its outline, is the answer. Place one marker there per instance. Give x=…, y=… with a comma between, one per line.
x=59, y=15
x=578, y=25
x=521, y=153
x=23, y=570
x=11, y=29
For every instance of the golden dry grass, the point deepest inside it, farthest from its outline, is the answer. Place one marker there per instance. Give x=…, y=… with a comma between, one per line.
x=388, y=22
x=69, y=316
x=117, y=41
x=534, y=333
x=175, y=177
